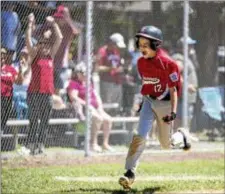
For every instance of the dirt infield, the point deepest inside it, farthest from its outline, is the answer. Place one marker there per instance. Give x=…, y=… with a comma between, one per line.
x=61, y=159
x=65, y=157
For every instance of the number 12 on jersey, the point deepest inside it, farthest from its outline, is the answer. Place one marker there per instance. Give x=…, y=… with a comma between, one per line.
x=158, y=88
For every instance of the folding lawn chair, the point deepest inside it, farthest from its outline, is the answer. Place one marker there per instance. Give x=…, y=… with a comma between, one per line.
x=213, y=106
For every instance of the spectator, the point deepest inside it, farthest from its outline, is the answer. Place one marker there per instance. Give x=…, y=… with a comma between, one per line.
x=221, y=66
x=24, y=64
x=20, y=90
x=41, y=87
x=110, y=69
x=3, y=56
x=61, y=60
x=10, y=27
x=22, y=42
x=9, y=76
x=136, y=54
x=192, y=79
x=129, y=86
x=100, y=119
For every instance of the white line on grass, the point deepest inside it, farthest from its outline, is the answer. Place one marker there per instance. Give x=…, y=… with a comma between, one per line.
x=141, y=178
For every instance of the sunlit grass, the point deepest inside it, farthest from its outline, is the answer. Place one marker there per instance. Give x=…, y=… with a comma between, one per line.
x=42, y=180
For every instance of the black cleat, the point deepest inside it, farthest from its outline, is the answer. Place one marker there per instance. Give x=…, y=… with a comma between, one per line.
x=127, y=180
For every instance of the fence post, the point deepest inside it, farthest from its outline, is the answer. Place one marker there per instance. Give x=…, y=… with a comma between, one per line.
x=185, y=72
x=89, y=10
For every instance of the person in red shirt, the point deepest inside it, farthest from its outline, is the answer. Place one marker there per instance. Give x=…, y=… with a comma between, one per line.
x=41, y=86
x=160, y=90
x=9, y=76
x=110, y=69
x=69, y=30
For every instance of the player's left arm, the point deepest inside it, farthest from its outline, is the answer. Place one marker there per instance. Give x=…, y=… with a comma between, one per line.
x=173, y=99
x=173, y=83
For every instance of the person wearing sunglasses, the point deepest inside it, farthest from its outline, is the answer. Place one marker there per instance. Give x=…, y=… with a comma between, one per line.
x=41, y=86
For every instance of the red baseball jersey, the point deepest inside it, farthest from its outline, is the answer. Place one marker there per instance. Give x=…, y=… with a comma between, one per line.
x=158, y=74
x=42, y=76
x=8, y=76
x=110, y=59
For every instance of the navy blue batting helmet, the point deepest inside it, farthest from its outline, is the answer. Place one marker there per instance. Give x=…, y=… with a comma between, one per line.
x=153, y=33
x=150, y=32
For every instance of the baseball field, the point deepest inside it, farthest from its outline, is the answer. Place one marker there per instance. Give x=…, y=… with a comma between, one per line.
x=200, y=170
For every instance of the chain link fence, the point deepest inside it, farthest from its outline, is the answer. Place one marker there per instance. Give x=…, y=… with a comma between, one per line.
x=117, y=21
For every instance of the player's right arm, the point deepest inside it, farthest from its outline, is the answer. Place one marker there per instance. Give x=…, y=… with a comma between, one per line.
x=139, y=68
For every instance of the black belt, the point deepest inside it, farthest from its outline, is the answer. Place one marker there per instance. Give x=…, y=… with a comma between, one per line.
x=166, y=98
x=152, y=97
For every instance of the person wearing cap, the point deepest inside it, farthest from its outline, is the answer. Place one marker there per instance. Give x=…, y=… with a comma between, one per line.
x=110, y=69
x=41, y=87
x=160, y=90
x=69, y=30
x=192, y=78
x=191, y=50
x=9, y=76
x=100, y=119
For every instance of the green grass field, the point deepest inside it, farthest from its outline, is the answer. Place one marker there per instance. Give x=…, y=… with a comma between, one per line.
x=183, y=177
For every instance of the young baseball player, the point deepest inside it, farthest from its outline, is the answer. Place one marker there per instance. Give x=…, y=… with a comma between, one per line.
x=160, y=89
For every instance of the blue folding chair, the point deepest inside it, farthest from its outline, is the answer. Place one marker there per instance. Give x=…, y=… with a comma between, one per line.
x=213, y=106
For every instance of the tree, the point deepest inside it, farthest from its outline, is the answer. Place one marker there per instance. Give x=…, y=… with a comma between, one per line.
x=205, y=26
x=156, y=14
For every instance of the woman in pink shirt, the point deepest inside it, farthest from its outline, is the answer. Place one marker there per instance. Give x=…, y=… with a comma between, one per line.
x=100, y=119
x=41, y=86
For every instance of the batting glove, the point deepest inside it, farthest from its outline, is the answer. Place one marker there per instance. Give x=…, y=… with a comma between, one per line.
x=169, y=118
x=140, y=106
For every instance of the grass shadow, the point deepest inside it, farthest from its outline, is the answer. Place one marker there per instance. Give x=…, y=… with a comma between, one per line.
x=111, y=191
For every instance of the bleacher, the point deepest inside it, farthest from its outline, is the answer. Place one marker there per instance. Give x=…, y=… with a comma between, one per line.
x=63, y=133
